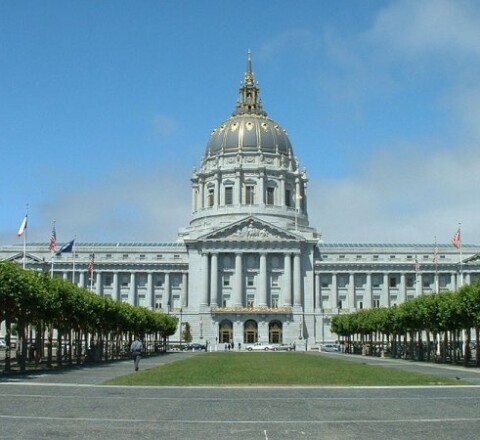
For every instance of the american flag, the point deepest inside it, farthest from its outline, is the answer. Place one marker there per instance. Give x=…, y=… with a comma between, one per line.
x=435, y=255
x=53, y=240
x=417, y=265
x=91, y=265
x=457, y=240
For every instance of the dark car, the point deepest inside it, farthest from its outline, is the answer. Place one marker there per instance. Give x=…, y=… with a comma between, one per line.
x=195, y=347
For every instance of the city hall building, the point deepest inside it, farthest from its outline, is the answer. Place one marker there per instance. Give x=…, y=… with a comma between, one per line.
x=249, y=267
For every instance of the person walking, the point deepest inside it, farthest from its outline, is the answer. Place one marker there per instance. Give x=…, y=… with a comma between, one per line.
x=136, y=349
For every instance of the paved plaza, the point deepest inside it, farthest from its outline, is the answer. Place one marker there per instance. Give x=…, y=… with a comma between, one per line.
x=72, y=404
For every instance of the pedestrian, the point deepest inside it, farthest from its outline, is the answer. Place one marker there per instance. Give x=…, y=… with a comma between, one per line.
x=136, y=349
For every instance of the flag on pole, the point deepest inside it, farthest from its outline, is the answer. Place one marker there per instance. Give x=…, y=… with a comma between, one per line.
x=457, y=239
x=67, y=247
x=435, y=254
x=91, y=265
x=53, y=240
x=23, y=226
x=417, y=265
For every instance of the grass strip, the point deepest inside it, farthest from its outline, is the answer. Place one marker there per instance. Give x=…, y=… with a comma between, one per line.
x=272, y=369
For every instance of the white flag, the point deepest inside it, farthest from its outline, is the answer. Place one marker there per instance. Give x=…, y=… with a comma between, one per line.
x=23, y=226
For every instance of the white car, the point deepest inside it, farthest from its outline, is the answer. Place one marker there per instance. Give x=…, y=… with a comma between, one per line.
x=260, y=346
x=330, y=347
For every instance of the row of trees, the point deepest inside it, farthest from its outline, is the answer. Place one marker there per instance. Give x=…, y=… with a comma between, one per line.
x=430, y=327
x=36, y=305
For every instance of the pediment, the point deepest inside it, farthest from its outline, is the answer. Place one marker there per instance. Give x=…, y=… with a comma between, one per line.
x=251, y=230
x=18, y=258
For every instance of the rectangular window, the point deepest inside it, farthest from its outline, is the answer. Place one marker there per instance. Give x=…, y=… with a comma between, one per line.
x=410, y=280
x=211, y=193
x=325, y=281
x=250, y=280
x=125, y=280
x=159, y=281
x=376, y=303
x=340, y=304
x=158, y=303
x=392, y=281
x=376, y=281
x=274, y=280
x=125, y=256
x=108, y=256
x=250, y=195
x=274, y=302
x=142, y=280
x=228, y=195
x=142, y=301
x=270, y=196
x=124, y=299
x=176, y=280
x=288, y=198
x=142, y=256
x=360, y=304
x=108, y=281
x=226, y=280
x=250, y=301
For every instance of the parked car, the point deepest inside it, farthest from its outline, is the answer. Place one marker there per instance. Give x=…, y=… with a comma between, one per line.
x=2, y=343
x=260, y=346
x=330, y=347
x=283, y=347
x=195, y=347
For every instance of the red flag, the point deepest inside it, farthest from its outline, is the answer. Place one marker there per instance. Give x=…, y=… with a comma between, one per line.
x=457, y=240
x=23, y=226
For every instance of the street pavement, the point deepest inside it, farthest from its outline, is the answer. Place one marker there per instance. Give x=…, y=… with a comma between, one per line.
x=72, y=404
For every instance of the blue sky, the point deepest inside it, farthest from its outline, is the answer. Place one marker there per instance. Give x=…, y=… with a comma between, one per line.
x=107, y=106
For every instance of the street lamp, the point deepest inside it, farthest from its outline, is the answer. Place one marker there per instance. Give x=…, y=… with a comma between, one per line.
x=181, y=311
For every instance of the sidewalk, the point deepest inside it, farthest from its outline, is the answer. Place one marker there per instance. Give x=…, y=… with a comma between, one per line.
x=471, y=375
x=95, y=373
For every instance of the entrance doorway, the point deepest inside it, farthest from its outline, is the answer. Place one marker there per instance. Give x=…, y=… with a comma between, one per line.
x=250, y=332
x=275, y=333
x=225, y=331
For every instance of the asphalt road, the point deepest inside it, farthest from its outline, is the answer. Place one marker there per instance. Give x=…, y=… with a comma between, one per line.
x=72, y=404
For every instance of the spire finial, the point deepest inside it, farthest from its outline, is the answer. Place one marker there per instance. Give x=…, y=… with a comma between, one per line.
x=249, y=101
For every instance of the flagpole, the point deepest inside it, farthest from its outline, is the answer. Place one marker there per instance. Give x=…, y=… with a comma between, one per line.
x=25, y=240
x=73, y=259
x=461, y=256
x=436, y=265
x=53, y=246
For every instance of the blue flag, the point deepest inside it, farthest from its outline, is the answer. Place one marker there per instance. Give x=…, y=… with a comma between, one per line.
x=67, y=247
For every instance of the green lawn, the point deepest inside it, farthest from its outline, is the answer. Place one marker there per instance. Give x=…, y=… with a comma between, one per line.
x=273, y=369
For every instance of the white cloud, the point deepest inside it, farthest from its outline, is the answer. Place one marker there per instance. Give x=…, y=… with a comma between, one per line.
x=400, y=197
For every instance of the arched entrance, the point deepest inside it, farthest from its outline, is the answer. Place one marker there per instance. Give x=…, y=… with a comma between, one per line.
x=225, y=331
x=250, y=332
x=275, y=332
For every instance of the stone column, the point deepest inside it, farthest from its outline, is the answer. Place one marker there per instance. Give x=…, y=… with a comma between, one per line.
x=282, y=190
x=334, y=293
x=116, y=293
x=351, y=292
x=385, y=301
x=297, y=280
x=98, y=283
x=261, y=188
x=132, y=294
x=183, y=300
x=262, y=282
x=403, y=288
x=238, y=291
x=318, y=292
x=205, y=277
x=238, y=188
x=202, y=193
x=166, y=292
x=194, y=197
x=418, y=284
x=214, y=280
x=149, y=299
x=81, y=281
x=287, y=296
x=368, y=292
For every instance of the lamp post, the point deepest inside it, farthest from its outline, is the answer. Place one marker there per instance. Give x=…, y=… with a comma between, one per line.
x=201, y=328
x=181, y=311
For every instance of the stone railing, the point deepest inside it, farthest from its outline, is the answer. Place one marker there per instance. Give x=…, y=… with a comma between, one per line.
x=254, y=309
